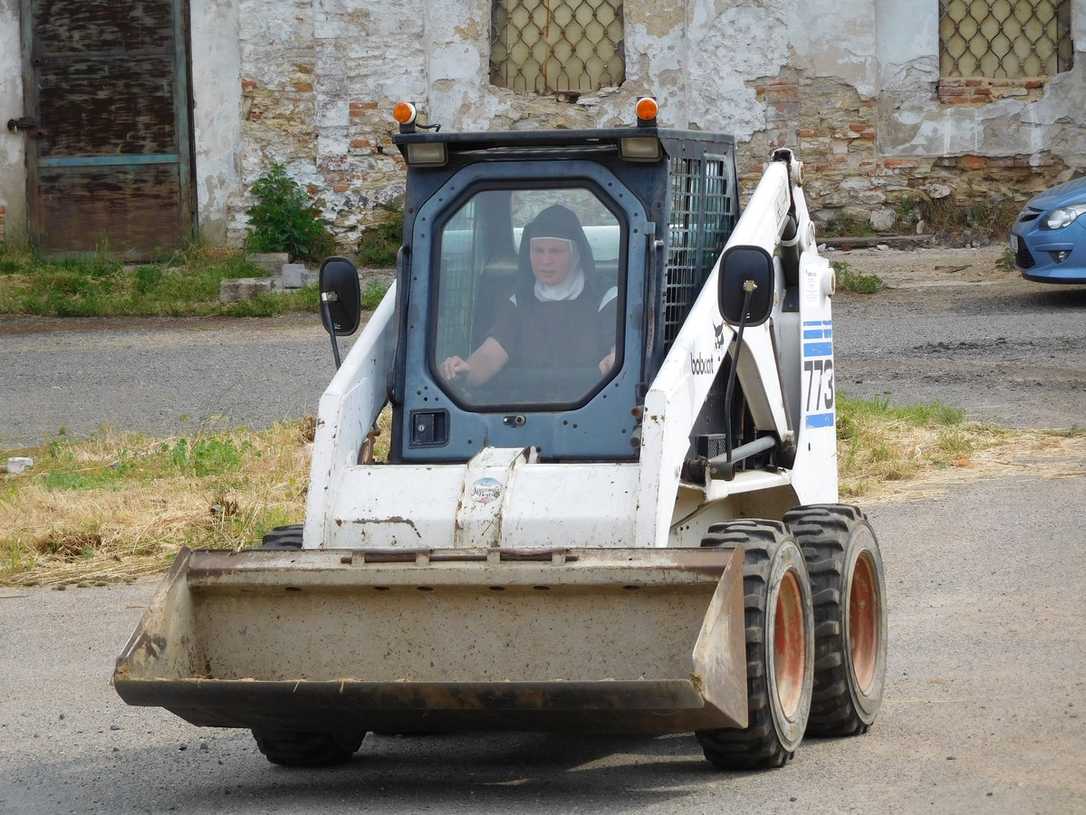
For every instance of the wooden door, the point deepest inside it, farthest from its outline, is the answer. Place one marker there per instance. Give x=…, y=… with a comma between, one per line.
x=109, y=159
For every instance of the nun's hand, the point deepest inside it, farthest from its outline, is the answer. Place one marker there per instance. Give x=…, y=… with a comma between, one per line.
x=454, y=367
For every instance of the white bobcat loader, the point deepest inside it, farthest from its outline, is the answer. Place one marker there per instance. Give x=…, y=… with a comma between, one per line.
x=609, y=501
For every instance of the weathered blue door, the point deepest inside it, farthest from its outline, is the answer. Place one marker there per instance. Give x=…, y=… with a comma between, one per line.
x=108, y=104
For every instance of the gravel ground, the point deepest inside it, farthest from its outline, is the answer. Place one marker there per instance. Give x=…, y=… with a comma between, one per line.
x=983, y=711
x=957, y=330
x=953, y=328
x=985, y=688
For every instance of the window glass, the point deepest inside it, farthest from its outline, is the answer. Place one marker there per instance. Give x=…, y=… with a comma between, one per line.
x=528, y=284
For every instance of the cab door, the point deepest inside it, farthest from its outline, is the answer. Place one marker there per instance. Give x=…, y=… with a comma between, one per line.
x=569, y=378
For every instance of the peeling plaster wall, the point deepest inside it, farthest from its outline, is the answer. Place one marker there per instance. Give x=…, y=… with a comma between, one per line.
x=853, y=84
x=12, y=152
x=216, y=89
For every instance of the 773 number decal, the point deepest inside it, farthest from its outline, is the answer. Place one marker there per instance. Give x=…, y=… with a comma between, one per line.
x=819, y=384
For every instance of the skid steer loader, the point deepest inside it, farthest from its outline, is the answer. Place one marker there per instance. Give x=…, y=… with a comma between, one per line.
x=609, y=499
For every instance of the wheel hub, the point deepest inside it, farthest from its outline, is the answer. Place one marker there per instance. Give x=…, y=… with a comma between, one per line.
x=789, y=645
x=863, y=621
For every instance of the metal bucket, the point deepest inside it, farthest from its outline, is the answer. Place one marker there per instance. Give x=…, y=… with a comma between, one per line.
x=591, y=640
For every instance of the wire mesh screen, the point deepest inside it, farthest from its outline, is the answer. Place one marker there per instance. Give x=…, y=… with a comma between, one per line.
x=700, y=222
x=1004, y=39
x=551, y=46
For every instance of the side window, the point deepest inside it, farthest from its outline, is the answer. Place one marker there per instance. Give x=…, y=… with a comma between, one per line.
x=528, y=287
x=559, y=46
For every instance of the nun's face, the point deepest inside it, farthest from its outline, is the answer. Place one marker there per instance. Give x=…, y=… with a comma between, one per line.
x=552, y=260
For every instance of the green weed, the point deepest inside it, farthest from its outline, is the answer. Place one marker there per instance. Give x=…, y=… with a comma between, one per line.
x=844, y=224
x=373, y=294
x=1006, y=261
x=184, y=284
x=378, y=244
x=856, y=282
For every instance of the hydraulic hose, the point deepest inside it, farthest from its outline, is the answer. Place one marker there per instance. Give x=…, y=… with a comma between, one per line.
x=326, y=313
x=729, y=442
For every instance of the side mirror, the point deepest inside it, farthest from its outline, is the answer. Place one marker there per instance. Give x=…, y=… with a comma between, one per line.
x=746, y=269
x=341, y=297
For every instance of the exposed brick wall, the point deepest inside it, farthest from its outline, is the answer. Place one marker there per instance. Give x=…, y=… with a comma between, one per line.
x=319, y=81
x=835, y=132
x=983, y=91
x=3, y=222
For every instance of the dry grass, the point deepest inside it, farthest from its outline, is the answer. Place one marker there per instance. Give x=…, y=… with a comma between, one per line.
x=118, y=506
x=886, y=451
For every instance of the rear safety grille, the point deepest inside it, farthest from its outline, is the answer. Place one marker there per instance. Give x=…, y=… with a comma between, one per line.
x=702, y=191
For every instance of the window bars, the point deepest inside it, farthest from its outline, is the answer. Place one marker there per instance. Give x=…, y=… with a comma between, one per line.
x=556, y=46
x=701, y=221
x=1004, y=39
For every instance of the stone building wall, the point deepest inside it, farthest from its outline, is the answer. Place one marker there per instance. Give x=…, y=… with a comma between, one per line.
x=853, y=84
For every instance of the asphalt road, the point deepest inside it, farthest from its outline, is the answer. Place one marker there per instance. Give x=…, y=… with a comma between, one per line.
x=990, y=349
x=985, y=705
x=1013, y=352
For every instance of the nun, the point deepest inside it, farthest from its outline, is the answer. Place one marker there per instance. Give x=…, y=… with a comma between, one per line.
x=557, y=318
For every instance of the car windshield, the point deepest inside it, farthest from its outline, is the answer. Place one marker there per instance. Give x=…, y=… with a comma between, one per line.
x=529, y=283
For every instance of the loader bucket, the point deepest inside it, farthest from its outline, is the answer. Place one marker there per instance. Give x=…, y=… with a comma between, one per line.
x=586, y=640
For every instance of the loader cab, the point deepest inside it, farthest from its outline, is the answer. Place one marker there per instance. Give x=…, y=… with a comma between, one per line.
x=569, y=257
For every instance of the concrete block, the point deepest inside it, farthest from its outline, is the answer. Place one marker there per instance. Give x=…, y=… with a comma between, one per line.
x=270, y=262
x=245, y=288
x=293, y=275
x=18, y=464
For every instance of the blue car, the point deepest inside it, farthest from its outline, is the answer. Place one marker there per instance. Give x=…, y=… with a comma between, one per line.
x=1049, y=238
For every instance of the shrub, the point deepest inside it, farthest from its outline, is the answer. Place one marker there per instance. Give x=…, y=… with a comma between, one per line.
x=379, y=243
x=284, y=219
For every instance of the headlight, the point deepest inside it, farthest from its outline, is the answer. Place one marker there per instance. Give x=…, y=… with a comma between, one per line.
x=1064, y=216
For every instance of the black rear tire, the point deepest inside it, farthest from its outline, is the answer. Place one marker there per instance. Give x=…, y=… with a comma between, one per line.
x=293, y=748
x=777, y=604
x=284, y=537
x=849, y=590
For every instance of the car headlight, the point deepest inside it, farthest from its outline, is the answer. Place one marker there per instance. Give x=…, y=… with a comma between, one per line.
x=1064, y=216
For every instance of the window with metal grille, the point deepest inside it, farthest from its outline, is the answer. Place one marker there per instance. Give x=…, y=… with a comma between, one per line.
x=700, y=223
x=555, y=46
x=1004, y=39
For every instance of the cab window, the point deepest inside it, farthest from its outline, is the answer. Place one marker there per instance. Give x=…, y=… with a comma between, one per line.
x=528, y=290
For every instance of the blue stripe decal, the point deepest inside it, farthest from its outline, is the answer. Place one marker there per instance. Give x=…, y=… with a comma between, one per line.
x=827, y=332
x=812, y=323
x=818, y=349
x=812, y=334
x=116, y=160
x=820, y=420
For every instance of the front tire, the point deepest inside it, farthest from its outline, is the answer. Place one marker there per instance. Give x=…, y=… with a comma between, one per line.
x=283, y=537
x=779, y=625
x=292, y=748
x=849, y=589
